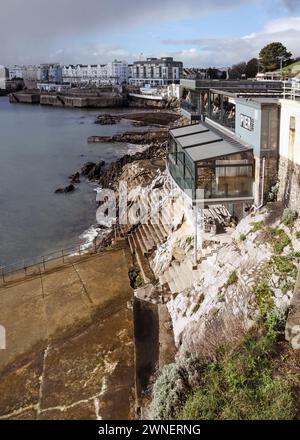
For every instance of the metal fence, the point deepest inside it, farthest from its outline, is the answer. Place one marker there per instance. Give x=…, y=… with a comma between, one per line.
x=42, y=263
x=291, y=90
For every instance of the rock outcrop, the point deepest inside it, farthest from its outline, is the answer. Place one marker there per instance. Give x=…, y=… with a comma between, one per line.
x=142, y=138
x=68, y=189
x=92, y=170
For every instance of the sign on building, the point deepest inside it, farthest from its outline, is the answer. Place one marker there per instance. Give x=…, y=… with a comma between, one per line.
x=247, y=122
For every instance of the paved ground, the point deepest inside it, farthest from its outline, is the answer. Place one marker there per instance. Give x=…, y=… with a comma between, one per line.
x=69, y=342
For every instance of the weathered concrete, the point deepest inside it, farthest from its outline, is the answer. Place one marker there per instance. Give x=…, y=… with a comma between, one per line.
x=289, y=183
x=69, y=342
x=292, y=329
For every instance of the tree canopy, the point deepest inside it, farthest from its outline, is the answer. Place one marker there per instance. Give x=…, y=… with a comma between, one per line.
x=270, y=56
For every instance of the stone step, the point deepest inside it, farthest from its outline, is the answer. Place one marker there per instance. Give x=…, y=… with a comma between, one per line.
x=131, y=244
x=139, y=242
x=148, y=244
x=149, y=239
x=153, y=233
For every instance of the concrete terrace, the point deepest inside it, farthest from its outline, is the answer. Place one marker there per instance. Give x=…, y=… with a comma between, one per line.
x=69, y=342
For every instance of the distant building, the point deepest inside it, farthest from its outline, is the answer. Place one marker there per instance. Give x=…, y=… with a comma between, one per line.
x=114, y=73
x=52, y=87
x=16, y=72
x=50, y=73
x=269, y=76
x=156, y=72
x=4, y=76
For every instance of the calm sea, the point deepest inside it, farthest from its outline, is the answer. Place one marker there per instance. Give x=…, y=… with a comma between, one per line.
x=39, y=148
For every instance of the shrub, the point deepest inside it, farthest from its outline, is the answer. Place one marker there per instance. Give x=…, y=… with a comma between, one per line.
x=173, y=386
x=285, y=266
x=241, y=386
x=279, y=239
x=263, y=295
x=136, y=279
x=298, y=235
x=243, y=237
x=289, y=216
x=232, y=279
x=257, y=226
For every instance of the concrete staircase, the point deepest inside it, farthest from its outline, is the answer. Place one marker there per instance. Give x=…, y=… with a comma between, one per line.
x=180, y=276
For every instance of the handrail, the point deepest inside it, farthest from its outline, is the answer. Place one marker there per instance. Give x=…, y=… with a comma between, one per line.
x=60, y=255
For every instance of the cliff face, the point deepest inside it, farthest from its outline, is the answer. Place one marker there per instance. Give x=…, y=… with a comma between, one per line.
x=241, y=272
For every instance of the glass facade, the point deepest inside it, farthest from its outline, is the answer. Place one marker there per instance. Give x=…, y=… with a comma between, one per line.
x=181, y=167
x=222, y=110
x=225, y=177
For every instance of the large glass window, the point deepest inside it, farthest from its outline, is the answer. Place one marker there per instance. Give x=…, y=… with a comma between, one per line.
x=181, y=166
x=231, y=176
x=222, y=110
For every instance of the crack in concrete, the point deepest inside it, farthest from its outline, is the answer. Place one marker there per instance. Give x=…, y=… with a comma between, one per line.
x=39, y=410
x=82, y=283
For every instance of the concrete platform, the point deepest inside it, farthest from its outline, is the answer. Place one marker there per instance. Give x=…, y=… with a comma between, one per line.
x=69, y=337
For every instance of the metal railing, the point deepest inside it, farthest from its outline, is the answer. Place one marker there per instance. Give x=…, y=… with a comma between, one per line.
x=37, y=265
x=291, y=90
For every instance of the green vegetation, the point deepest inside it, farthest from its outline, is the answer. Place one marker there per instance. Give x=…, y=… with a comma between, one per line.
x=232, y=279
x=189, y=241
x=257, y=226
x=241, y=386
x=271, y=55
x=298, y=235
x=173, y=385
x=243, y=237
x=289, y=216
x=290, y=67
x=197, y=306
x=136, y=279
x=279, y=239
x=285, y=266
x=263, y=295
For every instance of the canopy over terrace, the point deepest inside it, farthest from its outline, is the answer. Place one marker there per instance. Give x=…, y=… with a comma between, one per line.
x=201, y=157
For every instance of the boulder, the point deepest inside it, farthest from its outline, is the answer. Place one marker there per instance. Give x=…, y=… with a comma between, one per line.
x=92, y=170
x=68, y=189
x=75, y=178
x=107, y=119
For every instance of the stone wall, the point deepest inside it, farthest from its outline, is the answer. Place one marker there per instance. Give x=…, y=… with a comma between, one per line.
x=289, y=183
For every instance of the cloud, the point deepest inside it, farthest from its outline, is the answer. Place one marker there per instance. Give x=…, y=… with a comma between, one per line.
x=36, y=30
x=227, y=51
x=292, y=5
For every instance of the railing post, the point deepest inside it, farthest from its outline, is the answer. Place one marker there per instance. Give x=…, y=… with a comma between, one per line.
x=79, y=249
x=63, y=255
x=2, y=275
x=24, y=267
x=43, y=260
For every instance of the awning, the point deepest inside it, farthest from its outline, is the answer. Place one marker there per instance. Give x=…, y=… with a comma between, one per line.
x=202, y=142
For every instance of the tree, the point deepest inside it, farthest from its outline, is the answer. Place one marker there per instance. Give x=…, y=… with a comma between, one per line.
x=271, y=55
x=237, y=70
x=252, y=68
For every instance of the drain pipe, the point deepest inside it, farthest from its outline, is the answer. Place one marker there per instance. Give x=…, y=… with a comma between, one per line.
x=262, y=186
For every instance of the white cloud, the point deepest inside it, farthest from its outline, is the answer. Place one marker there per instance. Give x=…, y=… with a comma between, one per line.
x=35, y=29
x=227, y=51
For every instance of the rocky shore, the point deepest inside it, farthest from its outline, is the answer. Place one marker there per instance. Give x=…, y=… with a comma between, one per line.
x=142, y=138
x=158, y=118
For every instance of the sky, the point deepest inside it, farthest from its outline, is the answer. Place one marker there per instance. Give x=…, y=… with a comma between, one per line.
x=201, y=33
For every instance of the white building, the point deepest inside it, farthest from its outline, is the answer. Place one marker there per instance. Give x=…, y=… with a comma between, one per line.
x=4, y=76
x=99, y=74
x=16, y=72
x=289, y=150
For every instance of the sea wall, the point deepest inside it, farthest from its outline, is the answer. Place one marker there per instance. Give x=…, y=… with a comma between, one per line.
x=289, y=183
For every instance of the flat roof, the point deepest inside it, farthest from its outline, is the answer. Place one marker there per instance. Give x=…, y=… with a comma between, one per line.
x=202, y=142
